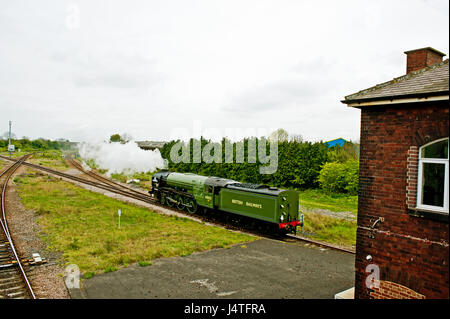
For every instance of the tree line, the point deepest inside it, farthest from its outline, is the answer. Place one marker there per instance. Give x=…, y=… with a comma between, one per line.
x=41, y=144
x=301, y=165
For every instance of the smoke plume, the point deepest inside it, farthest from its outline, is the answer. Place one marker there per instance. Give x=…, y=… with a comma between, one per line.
x=119, y=158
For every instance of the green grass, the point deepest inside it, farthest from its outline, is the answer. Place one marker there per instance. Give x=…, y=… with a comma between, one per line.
x=328, y=229
x=3, y=163
x=50, y=158
x=143, y=177
x=53, y=159
x=144, y=263
x=89, y=274
x=317, y=198
x=83, y=225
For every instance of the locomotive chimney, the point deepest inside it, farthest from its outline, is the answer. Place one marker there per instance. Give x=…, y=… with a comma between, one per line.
x=421, y=58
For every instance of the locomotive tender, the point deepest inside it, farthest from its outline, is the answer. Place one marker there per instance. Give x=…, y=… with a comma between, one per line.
x=190, y=192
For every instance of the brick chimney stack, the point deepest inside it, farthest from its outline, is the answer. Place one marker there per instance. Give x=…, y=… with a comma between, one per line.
x=421, y=58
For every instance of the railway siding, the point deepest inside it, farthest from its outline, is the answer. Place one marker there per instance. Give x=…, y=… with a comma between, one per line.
x=14, y=281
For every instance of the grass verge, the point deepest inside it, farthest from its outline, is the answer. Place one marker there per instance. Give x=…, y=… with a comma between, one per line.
x=49, y=158
x=329, y=229
x=325, y=228
x=317, y=198
x=53, y=159
x=141, y=179
x=84, y=226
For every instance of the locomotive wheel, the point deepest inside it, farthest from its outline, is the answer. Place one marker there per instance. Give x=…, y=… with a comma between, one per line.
x=169, y=202
x=179, y=200
x=191, y=205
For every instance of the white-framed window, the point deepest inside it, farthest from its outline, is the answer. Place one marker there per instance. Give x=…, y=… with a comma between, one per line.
x=432, y=182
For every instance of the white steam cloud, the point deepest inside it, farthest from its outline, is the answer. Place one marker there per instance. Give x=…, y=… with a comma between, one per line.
x=119, y=158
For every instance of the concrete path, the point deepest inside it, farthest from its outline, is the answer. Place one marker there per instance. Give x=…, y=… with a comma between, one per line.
x=257, y=270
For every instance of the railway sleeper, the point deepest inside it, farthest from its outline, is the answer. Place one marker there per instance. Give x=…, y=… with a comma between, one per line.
x=8, y=272
x=5, y=257
x=7, y=261
x=17, y=295
x=11, y=284
x=4, y=281
x=17, y=288
x=6, y=266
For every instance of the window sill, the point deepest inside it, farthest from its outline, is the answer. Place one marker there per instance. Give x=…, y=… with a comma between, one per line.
x=430, y=214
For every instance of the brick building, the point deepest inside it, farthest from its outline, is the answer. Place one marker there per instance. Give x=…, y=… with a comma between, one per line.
x=402, y=246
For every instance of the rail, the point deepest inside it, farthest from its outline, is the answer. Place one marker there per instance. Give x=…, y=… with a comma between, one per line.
x=8, y=172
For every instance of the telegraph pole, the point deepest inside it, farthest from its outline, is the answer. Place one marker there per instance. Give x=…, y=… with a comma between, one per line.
x=9, y=133
x=10, y=147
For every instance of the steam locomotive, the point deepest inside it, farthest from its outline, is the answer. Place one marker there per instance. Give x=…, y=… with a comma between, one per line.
x=191, y=192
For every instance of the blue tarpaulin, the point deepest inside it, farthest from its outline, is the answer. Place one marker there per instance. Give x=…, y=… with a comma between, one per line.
x=338, y=141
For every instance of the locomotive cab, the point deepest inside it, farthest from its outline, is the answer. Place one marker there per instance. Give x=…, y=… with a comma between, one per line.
x=159, y=180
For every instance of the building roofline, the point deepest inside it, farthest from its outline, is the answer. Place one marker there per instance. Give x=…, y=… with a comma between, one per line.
x=355, y=96
x=339, y=138
x=399, y=97
x=426, y=48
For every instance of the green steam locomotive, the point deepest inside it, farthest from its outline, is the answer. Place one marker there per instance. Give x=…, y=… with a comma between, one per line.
x=190, y=192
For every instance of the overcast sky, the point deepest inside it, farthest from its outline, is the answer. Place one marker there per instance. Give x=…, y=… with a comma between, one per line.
x=88, y=69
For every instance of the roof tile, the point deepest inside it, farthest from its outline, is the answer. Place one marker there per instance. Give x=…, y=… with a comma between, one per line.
x=431, y=79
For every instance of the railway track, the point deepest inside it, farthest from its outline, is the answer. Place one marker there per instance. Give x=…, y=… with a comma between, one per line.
x=14, y=282
x=120, y=190
x=111, y=186
x=102, y=179
x=289, y=237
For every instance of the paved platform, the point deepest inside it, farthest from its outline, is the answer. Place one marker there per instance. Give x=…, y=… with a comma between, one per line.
x=258, y=270
x=346, y=294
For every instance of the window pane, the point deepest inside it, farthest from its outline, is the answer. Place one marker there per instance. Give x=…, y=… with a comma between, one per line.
x=436, y=150
x=433, y=184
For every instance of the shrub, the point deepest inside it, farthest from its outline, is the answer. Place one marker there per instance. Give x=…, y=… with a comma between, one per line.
x=352, y=177
x=347, y=152
x=340, y=177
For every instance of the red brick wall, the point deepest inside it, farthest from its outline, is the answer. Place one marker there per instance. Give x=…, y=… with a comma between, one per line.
x=412, y=169
x=422, y=58
x=391, y=290
x=409, y=250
